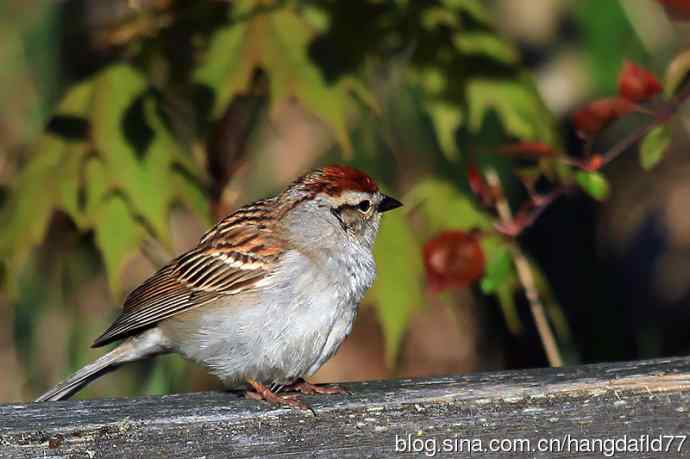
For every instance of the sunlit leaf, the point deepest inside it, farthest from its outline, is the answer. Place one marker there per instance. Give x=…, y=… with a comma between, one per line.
x=446, y=119
x=360, y=91
x=228, y=64
x=439, y=16
x=96, y=178
x=46, y=182
x=275, y=41
x=106, y=139
x=433, y=80
x=71, y=182
x=316, y=17
x=505, y=293
x=191, y=194
x=485, y=44
x=397, y=290
x=596, y=22
x=116, y=89
x=654, y=145
x=499, y=268
x=25, y=218
x=445, y=207
x=517, y=104
x=473, y=8
x=677, y=73
x=156, y=174
x=118, y=237
x=594, y=183
x=500, y=279
x=143, y=172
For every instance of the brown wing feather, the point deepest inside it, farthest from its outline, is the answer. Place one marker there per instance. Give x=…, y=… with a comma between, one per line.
x=233, y=257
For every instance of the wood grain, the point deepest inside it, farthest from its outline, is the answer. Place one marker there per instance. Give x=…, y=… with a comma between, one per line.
x=603, y=401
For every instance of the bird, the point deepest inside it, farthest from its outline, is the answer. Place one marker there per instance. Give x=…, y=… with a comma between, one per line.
x=265, y=298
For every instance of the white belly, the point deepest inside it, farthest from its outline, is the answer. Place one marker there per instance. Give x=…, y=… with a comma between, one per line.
x=279, y=334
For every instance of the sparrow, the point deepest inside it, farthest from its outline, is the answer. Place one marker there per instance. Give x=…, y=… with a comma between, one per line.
x=266, y=297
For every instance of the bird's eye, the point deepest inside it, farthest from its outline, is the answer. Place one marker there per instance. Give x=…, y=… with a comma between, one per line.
x=364, y=205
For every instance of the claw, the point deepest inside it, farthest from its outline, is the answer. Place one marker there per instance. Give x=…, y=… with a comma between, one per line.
x=262, y=392
x=311, y=389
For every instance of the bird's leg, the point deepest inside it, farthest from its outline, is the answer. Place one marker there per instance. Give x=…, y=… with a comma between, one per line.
x=300, y=385
x=262, y=392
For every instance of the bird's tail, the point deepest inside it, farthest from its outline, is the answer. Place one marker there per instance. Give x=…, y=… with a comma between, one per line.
x=130, y=350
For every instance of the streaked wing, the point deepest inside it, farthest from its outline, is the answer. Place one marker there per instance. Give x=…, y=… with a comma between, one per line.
x=222, y=266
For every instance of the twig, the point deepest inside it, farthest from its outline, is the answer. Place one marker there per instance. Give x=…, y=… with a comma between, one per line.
x=529, y=212
x=659, y=117
x=513, y=228
x=526, y=277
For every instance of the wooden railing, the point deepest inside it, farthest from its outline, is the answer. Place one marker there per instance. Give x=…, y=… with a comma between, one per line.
x=585, y=411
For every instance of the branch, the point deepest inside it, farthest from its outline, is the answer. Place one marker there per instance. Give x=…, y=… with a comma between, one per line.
x=530, y=212
x=538, y=204
x=526, y=277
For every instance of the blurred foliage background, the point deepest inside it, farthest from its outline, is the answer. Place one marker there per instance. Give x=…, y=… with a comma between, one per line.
x=129, y=127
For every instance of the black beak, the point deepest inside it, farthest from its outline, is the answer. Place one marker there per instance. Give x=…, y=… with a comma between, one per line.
x=388, y=203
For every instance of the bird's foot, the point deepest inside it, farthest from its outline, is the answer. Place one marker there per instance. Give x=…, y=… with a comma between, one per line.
x=262, y=392
x=311, y=389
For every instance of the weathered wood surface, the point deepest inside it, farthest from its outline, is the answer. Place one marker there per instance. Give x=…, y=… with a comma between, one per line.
x=587, y=402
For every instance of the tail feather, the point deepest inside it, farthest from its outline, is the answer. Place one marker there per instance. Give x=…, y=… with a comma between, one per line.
x=132, y=349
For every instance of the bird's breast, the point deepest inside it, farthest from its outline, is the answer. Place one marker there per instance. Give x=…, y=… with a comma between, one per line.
x=286, y=329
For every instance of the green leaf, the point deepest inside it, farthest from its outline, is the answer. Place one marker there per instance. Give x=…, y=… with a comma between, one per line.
x=499, y=268
x=276, y=41
x=677, y=73
x=192, y=196
x=446, y=119
x=485, y=44
x=96, y=178
x=228, y=63
x=397, y=290
x=25, y=217
x=473, y=8
x=361, y=91
x=116, y=89
x=500, y=279
x=435, y=17
x=433, y=80
x=156, y=175
x=113, y=103
x=47, y=181
x=144, y=173
x=118, y=237
x=445, y=207
x=76, y=100
x=316, y=17
x=519, y=108
x=506, y=299
x=594, y=183
x=605, y=30
x=654, y=145
x=71, y=183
